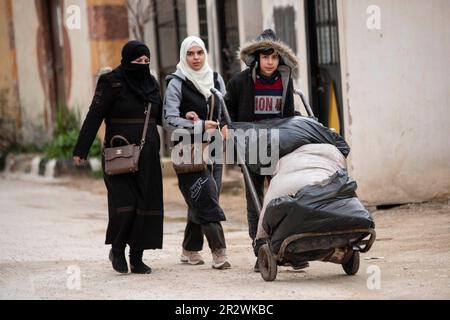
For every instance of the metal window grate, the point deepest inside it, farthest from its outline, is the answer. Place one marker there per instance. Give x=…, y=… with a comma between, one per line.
x=327, y=32
x=203, y=22
x=284, y=18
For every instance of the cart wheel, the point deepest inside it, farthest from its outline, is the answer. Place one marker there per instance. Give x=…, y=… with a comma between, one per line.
x=267, y=263
x=351, y=267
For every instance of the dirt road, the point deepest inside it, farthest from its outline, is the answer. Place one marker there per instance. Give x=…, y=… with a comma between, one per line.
x=52, y=235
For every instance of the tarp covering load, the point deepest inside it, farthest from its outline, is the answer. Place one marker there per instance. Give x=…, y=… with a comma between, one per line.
x=307, y=165
x=326, y=207
x=292, y=133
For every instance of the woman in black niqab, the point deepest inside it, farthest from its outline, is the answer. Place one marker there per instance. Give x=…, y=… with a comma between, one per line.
x=137, y=76
x=135, y=200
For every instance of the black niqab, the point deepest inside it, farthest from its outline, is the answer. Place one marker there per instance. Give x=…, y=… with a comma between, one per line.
x=137, y=76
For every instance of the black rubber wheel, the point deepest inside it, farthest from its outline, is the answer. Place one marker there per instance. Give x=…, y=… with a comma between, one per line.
x=351, y=267
x=267, y=263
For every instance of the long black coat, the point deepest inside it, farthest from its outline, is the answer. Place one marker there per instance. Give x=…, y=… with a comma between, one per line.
x=135, y=200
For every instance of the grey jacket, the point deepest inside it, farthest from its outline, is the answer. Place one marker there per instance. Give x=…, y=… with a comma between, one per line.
x=173, y=97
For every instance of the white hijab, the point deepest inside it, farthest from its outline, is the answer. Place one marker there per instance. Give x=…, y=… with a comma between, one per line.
x=202, y=79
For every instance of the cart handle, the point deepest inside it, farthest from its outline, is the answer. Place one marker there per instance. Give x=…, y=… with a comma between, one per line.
x=244, y=167
x=305, y=102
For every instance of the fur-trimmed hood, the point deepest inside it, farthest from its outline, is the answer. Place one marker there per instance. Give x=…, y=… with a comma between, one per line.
x=247, y=51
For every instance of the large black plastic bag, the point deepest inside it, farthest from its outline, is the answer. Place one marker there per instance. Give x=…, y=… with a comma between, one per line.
x=327, y=207
x=294, y=132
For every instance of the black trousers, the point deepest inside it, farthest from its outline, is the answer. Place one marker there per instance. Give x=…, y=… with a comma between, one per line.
x=252, y=213
x=193, y=236
x=213, y=231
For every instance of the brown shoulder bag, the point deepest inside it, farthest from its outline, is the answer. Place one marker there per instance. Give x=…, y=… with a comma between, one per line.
x=191, y=167
x=125, y=159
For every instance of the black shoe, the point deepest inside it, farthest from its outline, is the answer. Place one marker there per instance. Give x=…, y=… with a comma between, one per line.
x=256, y=267
x=118, y=261
x=300, y=266
x=136, y=264
x=140, y=268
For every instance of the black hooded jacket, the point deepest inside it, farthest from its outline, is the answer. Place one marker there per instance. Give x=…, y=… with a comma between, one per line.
x=240, y=97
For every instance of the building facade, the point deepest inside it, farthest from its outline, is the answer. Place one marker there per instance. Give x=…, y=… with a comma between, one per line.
x=375, y=70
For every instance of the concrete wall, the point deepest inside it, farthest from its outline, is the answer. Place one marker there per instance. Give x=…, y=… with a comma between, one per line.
x=192, y=20
x=213, y=35
x=397, y=98
x=109, y=31
x=250, y=19
x=9, y=100
x=82, y=80
x=34, y=103
x=149, y=39
x=27, y=69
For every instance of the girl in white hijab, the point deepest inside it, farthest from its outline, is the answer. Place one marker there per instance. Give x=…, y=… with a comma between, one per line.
x=189, y=105
x=203, y=78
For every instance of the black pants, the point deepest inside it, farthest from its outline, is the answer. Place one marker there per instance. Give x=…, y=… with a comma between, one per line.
x=193, y=236
x=213, y=231
x=252, y=213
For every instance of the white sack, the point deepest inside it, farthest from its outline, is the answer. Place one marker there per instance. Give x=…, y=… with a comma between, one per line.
x=307, y=165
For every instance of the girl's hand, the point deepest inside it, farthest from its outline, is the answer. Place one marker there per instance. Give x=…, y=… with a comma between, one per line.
x=192, y=115
x=78, y=161
x=210, y=125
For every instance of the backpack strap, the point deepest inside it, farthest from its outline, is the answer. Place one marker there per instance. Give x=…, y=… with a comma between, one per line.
x=173, y=76
x=216, y=78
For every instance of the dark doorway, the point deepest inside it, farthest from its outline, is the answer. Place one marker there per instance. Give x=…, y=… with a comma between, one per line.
x=228, y=24
x=324, y=62
x=170, y=20
x=171, y=29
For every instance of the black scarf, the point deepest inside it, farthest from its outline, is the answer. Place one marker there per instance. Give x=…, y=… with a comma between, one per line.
x=137, y=76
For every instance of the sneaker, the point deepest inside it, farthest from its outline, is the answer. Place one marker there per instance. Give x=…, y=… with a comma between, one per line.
x=256, y=267
x=220, y=260
x=191, y=257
